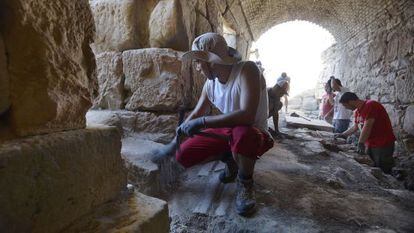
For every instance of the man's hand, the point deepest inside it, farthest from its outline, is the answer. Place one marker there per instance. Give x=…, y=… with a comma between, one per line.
x=191, y=127
x=361, y=148
x=339, y=135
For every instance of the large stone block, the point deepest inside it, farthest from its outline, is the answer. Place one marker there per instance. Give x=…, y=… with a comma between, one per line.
x=167, y=27
x=377, y=48
x=48, y=181
x=121, y=24
x=143, y=125
x=116, y=25
x=404, y=84
x=4, y=80
x=134, y=212
x=409, y=120
x=153, y=79
x=110, y=81
x=50, y=64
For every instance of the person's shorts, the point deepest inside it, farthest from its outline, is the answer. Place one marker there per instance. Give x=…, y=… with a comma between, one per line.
x=243, y=140
x=382, y=157
x=274, y=106
x=340, y=125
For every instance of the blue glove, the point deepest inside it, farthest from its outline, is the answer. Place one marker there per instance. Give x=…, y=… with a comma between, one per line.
x=361, y=148
x=191, y=127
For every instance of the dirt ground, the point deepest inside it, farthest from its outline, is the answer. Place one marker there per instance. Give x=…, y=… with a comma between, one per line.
x=303, y=184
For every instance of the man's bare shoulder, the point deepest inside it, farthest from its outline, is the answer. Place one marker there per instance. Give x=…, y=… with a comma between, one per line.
x=250, y=70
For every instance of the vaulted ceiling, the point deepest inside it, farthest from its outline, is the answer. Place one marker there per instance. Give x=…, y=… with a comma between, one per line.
x=343, y=18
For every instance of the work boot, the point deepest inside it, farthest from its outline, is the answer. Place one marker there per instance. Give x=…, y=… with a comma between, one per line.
x=245, y=199
x=230, y=171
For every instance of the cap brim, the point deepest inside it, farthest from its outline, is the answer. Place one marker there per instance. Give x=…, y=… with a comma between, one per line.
x=208, y=57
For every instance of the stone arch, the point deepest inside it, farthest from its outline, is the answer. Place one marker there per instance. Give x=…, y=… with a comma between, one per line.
x=342, y=19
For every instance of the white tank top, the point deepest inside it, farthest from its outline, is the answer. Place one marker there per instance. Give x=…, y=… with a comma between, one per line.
x=226, y=97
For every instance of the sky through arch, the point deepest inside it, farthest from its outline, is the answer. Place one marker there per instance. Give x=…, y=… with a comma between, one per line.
x=293, y=47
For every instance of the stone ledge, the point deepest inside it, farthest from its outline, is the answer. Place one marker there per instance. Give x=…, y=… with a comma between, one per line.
x=144, y=125
x=48, y=181
x=133, y=212
x=148, y=177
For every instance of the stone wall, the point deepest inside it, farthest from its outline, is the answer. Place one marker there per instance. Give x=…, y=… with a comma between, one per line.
x=52, y=170
x=133, y=77
x=49, y=64
x=378, y=64
x=48, y=181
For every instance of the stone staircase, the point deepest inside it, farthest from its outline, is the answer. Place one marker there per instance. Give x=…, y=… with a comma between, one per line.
x=132, y=212
x=137, y=144
x=74, y=178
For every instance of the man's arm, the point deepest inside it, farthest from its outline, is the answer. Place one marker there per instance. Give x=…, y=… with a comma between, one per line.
x=350, y=131
x=202, y=106
x=366, y=130
x=328, y=113
x=335, y=84
x=331, y=99
x=286, y=102
x=250, y=95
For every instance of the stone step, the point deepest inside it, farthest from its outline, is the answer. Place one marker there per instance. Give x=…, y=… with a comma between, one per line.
x=149, y=178
x=49, y=181
x=132, y=212
x=144, y=125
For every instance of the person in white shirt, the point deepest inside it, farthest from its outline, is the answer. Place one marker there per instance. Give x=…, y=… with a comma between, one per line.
x=285, y=79
x=342, y=116
x=238, y=90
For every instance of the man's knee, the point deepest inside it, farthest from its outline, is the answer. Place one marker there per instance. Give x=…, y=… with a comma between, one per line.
x=246, y=134
x=247, y=141
x=183, y=158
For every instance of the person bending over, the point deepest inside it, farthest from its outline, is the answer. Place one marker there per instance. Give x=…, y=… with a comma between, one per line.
x=377, y=137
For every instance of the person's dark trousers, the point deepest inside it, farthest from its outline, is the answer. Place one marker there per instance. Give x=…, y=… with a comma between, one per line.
x=340, y=125
x=382, y=157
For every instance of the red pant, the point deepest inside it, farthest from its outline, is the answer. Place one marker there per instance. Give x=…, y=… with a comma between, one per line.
x=244, y=140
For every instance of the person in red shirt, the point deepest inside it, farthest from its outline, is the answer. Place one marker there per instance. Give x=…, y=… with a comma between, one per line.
x=377, y=138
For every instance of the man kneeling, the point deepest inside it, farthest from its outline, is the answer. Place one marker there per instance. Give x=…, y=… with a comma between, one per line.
x=376, y=138
x=236, y=88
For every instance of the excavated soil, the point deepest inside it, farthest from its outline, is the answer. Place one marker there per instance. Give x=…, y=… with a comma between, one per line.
x=303, y=184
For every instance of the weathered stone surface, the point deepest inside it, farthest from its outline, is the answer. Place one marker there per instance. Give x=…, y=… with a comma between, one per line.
x=116, y=25
x=48, y=181
x=4, y=80
x=202, y=25
x=409, y=120
x=143, y=125
x=404, y=84
x=166, y=26
x=133, y=212
x=309, y=104
x=149, y=178
x=153, y=79
x=121, y=24
x=110, y=80
x=50, y=64
x=393, y=115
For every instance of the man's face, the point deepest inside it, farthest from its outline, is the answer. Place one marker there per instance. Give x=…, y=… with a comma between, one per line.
x=349, y=106
x=204, y=68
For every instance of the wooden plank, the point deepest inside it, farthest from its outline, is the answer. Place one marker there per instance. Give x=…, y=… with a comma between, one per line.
x=206, y=200
x=312, y=124
x=207, y=168
x=220, y=166
x=226, y=199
